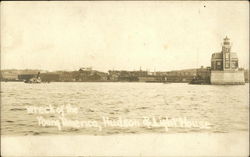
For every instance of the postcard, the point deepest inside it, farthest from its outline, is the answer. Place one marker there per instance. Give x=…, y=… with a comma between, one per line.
x=124, y=78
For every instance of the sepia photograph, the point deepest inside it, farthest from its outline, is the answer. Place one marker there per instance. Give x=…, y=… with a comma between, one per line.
x=124, y=78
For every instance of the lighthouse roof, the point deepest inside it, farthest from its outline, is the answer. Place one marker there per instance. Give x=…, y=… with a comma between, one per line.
x=226, y=38
x=217, y=55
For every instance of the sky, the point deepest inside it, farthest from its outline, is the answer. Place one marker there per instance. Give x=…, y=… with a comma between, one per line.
x=125, y=35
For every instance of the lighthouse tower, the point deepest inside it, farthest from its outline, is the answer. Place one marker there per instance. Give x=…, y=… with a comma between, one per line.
x=224, y=66
x=225, y=60
x=230, y=59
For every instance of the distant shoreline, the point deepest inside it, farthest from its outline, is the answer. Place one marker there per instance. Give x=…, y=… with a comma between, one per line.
x=90, y=75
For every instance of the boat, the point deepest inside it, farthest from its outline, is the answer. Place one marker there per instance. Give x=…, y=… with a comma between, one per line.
x=36, y=79
x=199, y=80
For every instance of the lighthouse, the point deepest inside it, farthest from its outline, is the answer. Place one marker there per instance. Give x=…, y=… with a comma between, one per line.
x=224, y=66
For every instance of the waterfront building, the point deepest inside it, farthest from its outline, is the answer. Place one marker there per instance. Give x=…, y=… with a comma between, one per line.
x=123, y=75
x=49, y=77
x=8, y=76
x=185, y=75
x=67, y=76
x=88, y=74
x=13, y=74
x=224, y=66
x=24, y=77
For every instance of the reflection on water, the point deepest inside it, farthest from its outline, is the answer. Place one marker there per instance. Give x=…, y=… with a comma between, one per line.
x=224, y=107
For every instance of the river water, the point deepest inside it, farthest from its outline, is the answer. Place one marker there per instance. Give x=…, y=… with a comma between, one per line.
x=223, y=108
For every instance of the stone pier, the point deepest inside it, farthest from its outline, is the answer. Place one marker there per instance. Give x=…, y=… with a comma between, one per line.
x=227, y=77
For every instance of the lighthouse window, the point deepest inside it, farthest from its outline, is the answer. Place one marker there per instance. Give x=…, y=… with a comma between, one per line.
x=218, y=66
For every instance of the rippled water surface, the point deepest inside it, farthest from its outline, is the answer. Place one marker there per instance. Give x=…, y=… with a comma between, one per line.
x=224, y=107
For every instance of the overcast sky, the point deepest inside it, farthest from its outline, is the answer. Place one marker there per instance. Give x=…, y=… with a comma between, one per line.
x=159, y=36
